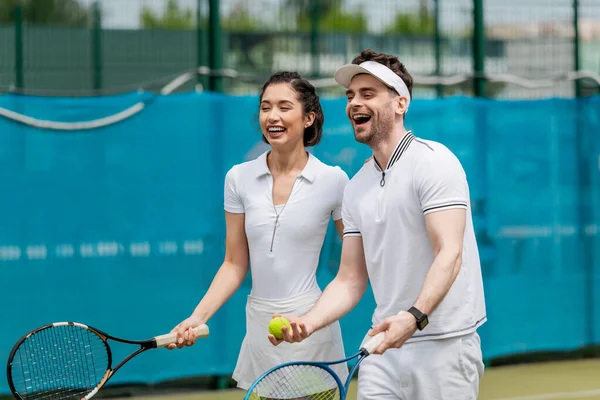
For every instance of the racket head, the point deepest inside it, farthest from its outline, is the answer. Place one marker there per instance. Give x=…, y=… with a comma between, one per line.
x=63, y=360
x=297, y=380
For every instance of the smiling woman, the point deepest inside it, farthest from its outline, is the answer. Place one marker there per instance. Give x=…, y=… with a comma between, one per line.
x=288, y=97
x=277, y=210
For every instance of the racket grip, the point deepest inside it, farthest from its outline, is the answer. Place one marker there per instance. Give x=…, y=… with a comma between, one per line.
x=163, y=340
x=373, y=343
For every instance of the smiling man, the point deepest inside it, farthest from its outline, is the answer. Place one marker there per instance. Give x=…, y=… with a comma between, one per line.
x=408, y=229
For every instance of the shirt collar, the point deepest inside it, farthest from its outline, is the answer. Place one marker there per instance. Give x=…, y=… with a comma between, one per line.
x=398, y=151
x=309, y=172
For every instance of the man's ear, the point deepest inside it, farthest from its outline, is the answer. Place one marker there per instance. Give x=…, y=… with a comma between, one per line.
x=401, y=105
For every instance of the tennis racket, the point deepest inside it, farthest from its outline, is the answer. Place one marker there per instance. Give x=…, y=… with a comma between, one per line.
x=308, y=380
x=70, y=361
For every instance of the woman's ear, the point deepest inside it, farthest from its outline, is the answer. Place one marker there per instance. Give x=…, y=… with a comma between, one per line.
x=310, y=119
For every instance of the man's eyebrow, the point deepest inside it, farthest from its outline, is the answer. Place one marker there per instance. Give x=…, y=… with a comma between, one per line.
x=365, y=89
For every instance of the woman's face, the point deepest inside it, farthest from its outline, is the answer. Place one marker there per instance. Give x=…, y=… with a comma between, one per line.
x=281, y=116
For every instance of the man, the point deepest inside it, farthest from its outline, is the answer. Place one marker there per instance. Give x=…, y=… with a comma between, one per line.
x=408, y=229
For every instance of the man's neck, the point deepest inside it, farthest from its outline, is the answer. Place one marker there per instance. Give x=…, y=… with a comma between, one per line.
x=384, y=149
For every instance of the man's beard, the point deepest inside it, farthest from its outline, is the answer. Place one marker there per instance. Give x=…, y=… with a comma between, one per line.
x=379, y=130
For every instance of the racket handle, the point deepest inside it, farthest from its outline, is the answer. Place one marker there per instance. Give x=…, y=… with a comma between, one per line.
x=163, y=340
x=373, y=343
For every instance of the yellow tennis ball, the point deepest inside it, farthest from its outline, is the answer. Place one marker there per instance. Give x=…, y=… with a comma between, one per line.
x=275, y=326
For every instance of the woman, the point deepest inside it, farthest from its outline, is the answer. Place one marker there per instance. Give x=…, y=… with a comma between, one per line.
x=277, y=212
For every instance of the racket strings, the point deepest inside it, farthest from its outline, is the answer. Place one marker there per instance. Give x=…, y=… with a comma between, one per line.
x=298, y=382
x=62, y=362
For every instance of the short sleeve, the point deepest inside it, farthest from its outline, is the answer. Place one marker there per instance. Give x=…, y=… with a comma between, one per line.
x=348, y=216
x=342, y=178
x=233, y=201
x=441, y=182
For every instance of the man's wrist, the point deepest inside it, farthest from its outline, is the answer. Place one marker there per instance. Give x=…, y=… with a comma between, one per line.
x=313, y=322
x=422, y=319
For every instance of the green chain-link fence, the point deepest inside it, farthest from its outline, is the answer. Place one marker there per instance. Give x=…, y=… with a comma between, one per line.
x=85, y=46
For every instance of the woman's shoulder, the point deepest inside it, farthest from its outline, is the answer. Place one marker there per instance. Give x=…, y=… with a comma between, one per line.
x=247, y=168
x=330, y=170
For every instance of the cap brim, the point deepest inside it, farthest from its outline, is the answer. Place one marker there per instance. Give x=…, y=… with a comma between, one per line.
x=345, y=73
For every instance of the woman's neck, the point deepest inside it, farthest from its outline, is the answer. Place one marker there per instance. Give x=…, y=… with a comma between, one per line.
x=291, y=162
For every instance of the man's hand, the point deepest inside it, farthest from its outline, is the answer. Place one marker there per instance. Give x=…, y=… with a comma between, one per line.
x=398, y=329
x=301, y=329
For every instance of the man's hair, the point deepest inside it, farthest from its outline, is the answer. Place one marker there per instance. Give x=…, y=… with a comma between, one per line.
x=307, y=96
x=389, y=61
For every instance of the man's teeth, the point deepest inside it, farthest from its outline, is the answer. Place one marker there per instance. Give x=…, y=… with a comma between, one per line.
x=360, y=116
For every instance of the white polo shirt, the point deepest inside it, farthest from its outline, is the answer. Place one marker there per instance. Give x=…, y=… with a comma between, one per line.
x=284, y=258
x=387, y=208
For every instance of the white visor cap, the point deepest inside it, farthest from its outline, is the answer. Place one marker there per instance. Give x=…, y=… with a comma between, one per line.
x=344, y=76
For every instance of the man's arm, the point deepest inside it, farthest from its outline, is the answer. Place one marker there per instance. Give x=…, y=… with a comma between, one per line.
x=446, y=231
x=338, y=298
x=347, y=288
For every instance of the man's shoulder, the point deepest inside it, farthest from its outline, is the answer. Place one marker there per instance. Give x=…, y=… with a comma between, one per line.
x=433, y=151
x=429, y=146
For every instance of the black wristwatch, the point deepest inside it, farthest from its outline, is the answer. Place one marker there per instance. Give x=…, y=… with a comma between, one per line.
x=422, y=319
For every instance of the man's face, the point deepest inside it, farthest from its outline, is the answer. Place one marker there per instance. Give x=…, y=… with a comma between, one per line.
x=371, y=109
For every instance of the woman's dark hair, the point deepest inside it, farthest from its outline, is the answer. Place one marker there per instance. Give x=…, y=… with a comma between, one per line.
x=307, y=96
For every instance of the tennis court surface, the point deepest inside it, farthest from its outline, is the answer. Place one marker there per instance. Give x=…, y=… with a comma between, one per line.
x=573, y=380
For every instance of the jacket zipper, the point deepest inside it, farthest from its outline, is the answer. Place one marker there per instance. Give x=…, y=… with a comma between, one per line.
x=380, y=211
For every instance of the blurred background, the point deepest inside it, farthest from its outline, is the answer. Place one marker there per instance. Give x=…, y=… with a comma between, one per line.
x=120, y=118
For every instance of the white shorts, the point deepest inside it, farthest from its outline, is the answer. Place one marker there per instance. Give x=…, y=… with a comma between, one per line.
x=448, y=369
